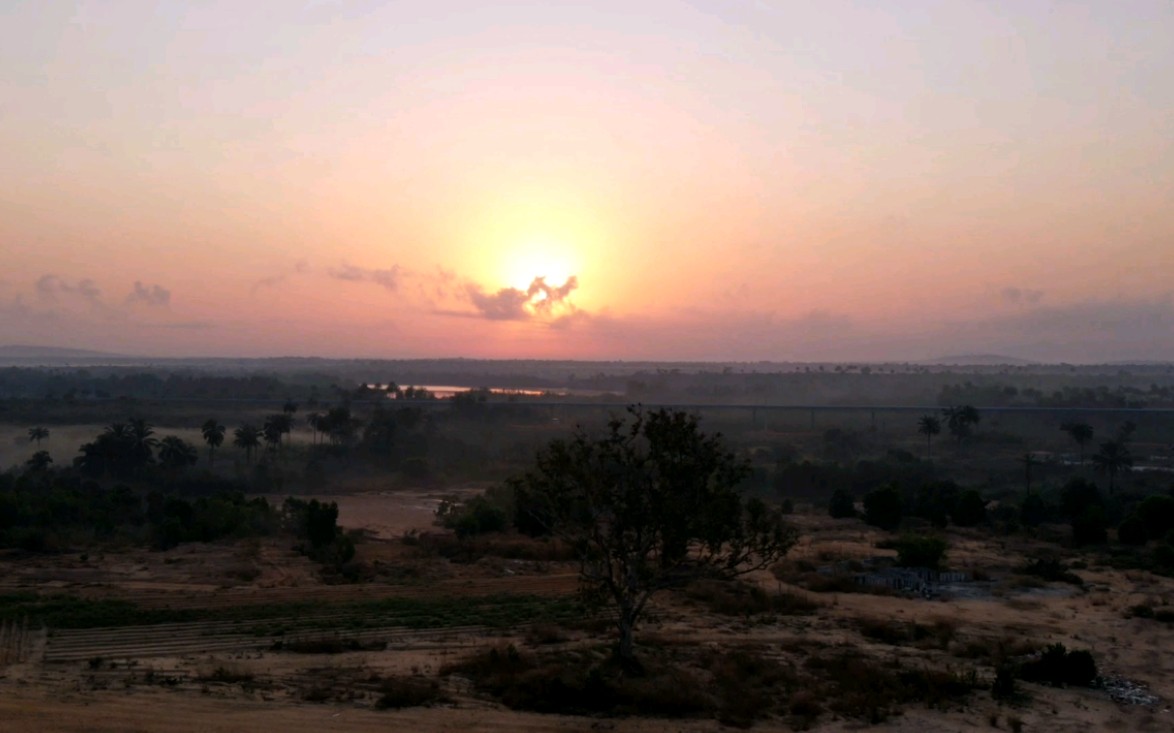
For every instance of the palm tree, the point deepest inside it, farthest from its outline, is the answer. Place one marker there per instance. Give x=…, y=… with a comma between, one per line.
x=314, y=420
x=248, y=438
x=290, y=407
x=142, y=440
x=39, y=462
x=1113, y=458
x=1080, y=432
x=37, y=434
x=961, y=420
x=176, y=453
x=929, y=426
x=213, y=433
x=118, y=431
x=271, y=431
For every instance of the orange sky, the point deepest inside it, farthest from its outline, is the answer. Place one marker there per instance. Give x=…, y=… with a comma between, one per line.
x=736, y=180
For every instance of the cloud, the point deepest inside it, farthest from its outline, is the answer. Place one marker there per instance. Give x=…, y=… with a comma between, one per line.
x=301, y=267
x=1020, y=296
x=1093, y=329
x=50, y=287
x=540, y=300
x=387, y=279
x=269, y=282
x=152, y=295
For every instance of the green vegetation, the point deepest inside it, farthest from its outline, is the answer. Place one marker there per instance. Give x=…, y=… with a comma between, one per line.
x=650, y=503
x=1059, y=667
x=884, y=507
x=506, y=611
x=915, y=551
x=737, y=687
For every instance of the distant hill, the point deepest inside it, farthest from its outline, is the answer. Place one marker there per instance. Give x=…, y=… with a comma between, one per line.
x=980, y=360
x=25, y=352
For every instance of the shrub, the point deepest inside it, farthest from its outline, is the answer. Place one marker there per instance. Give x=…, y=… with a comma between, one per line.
x=863, y=688
x=1157, y=513
x=1033, y=511
x=1090, y=528
x=1004, y=687
x=733, y=598
x=970, y=509
x=1141, y=610
x=416, y=468
x=842, y=504
x=1078, y=496
x=482, y=514
x=1057, y=666
x=1050, y=568
x=408, y=692
x=921, y=552
x=935, y=501
x=1132, y=531
x=883, y=507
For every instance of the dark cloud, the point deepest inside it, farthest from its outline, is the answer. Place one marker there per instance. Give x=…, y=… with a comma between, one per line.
x=269, y=282
x=1021, y=296
x=541, y=300
x=301, y=267
x=1096, y=330
x=153, y=295
x=50, y=287
x=388, y=279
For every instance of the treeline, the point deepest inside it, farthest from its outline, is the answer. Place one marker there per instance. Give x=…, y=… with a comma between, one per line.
x=1136, y=530
x=44, y=511
x=1100, y=396
x=87, y=384
x=54, y=511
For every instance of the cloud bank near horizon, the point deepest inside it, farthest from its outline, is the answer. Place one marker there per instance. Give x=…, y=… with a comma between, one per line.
x=56, y=310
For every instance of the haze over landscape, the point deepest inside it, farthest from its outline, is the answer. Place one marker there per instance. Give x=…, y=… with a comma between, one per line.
x=660, y=180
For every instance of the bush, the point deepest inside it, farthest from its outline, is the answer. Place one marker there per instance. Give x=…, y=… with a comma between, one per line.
x=883, y=507
x=1057, y=666
x=970, y=509
x=842, y=504
x=1157, y=513
x=920, y=552
x=416, y=468
x=863, y=688
x=1051, y=569
x=408, y=692
x=1004, y=687
x=1132, y=531
x=1033, y=511
x=737, y=687
x=935, y=502
x=735, y=598
x=483, y=514
x=1078, y=496
x=1090, y=528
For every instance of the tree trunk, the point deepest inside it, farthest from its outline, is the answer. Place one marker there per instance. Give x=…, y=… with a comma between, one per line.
x=626, y=650
x=627, y=644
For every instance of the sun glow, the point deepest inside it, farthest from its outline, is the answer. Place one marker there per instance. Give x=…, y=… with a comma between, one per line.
x=547, y=259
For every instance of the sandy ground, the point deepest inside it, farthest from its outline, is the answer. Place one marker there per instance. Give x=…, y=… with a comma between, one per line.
x=165, y=678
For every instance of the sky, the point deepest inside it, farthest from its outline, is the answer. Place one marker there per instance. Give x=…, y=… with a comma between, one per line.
x=726, y=180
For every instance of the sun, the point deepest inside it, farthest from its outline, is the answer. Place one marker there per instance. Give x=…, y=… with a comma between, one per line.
x=547, y=259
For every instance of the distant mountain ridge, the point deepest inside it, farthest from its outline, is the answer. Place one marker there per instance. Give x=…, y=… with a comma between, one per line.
x=980, y=360
x=25, y=351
